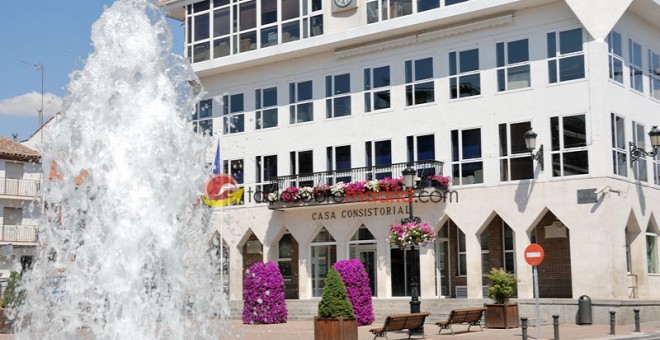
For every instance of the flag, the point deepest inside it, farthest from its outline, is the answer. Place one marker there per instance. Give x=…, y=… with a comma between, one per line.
x=216, y=163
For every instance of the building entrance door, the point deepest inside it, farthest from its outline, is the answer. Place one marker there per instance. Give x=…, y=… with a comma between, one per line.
x=442, y=267
x=368, y=258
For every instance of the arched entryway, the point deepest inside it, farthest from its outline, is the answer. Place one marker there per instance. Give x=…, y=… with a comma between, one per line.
x=362, y=246
x=555, y=271
x=323, y=256
x=253, y=251
x=287, y=260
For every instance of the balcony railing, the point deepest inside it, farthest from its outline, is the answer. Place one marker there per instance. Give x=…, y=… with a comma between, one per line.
x=18, y=187
x=424, y=170
x=19, y=233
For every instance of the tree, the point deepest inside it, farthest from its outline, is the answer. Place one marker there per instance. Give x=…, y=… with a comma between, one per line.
x=334, y=302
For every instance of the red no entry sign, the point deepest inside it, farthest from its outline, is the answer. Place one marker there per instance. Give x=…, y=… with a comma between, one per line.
x=534, y=254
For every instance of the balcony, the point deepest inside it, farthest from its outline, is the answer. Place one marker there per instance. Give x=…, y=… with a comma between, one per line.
x=18, y=187
x=19, y=233
x=319, y=188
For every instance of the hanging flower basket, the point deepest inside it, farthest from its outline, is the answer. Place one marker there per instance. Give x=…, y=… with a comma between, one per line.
x=411, y=233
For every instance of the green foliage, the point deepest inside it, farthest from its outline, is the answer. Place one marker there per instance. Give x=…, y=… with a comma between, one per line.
x=13, y=295
x=502, y=285
x=334, y=302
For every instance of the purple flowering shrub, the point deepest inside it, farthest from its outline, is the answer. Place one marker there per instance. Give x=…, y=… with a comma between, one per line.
x=355, y=279
x=263, y=295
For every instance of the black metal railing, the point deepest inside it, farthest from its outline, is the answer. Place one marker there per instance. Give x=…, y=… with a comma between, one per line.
x=367, y=173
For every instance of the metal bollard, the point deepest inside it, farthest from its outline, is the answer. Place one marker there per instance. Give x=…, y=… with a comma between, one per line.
x=523, y=321
x=636, y=320
x=555, y=323
x=612, y=322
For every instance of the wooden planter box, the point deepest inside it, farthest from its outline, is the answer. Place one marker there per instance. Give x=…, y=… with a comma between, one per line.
x=335, y=329
x=502, y=315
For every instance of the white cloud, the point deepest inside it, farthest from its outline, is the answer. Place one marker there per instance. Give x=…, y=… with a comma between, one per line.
x=28, y=105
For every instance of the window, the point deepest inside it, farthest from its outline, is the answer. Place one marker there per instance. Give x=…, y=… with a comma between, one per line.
x=235, y=26
x=338, y=95
x=300, y=97
x=652, y=249
x=302, y=164
x=235, y=169
x=656, y=169
x=379, y=158
x=362, y=246
x=12, y=216
x=515, y=161
x=615, y=52
x=654, y=74
x=232, y=111
x=462, y=254
x=203, y=117
x=619, y=152
x=379, y=10
x=513, y=67
x=565, y=55
x=339, y=161
x=422, y=148
x=266, y=108
x=324, y=255
x=639, y=166
x=419, y=81
x=508, y=249
x=485, y=252
x=467, y=166
x=285, y=255
x=464, y=76
x=266, y=171
x=376, y=88
x=636, y=73
x=569, y=146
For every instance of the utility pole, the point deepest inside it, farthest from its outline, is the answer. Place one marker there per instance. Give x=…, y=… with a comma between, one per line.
x=40, y=67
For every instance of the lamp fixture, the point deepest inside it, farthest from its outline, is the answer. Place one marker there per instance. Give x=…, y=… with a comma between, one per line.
x=637, y=152
x=530, y=143
x=409, y=176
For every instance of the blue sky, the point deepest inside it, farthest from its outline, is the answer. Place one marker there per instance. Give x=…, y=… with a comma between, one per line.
x=55, y=34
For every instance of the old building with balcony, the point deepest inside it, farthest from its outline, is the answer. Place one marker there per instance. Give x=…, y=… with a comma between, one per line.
x=20, y=178
x=304, y=94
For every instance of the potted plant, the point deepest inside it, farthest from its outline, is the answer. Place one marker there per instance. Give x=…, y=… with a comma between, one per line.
x=501, y=313
x=263, y=295
x=356, y=281
x=336, y=320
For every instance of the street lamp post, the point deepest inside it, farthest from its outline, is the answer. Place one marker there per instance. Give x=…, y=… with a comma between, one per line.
x=409, y=181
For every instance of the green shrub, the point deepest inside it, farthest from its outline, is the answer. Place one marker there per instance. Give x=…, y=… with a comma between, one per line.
x=334, y=302
x=13, y=295
x=502, y=285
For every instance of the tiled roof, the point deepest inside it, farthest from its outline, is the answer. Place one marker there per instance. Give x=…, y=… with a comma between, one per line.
x=15, y=151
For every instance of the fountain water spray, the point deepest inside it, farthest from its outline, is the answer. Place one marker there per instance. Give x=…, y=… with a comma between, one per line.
x=124, y=250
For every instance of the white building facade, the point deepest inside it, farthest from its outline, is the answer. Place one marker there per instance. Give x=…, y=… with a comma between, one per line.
x=308, y=93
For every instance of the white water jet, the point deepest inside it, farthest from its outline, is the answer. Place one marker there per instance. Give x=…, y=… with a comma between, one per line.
x=124, y=249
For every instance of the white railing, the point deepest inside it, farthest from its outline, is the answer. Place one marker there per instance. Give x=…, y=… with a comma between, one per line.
x=18, y=187
x=19, y=233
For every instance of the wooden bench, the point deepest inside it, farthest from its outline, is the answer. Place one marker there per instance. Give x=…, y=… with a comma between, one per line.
x=399, y=322
x=471, y=316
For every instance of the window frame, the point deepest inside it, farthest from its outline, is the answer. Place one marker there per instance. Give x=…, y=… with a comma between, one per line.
x=559, y=57
x=228, y=113
x=262, y=181
x=619, y=148
x=563, y=150
x=295, y=103
x=332, y=97
x=371, y=91
x=615, y=60
x=506, y=67
x=636, y=70
x=261, y=110
x=654, y=78
x=207, y=120
x=455, y=74
x=411, y=82
x=459, y=161
x=240, y=181
x=639, y=166
x=508, y=155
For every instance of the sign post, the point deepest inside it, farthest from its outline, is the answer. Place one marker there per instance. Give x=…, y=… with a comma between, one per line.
x=534, y=256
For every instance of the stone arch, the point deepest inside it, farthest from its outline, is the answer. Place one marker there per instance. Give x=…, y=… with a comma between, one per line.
x=322, y=255
x=362, y=245
x=554, y=273
x=251, y=248
x=451, y=259
x=285, y=252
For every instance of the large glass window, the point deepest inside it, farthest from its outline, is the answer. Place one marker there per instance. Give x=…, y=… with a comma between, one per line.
x=301, y=109
x=376, y=88
x=565, y=55
x=464, y=76
x=508, y=248
x=419, y=81
x=615, y=53
x=302, y=164
x=339, y=160
x=323, y=256
x=266, y=108
x=266, y=170
x=639, y=166
x=652, y=249
x=379, y=158
x=654, y=74
x=422, y=148
x=232, y=112
x=401, y=265
x=467, y=165
x=462, y=254
x=203, y=117
x=515, y=161
x=619, y=152
x=513, y=67
x=244, y=25
x=485, y=251
x=338, y=95
x=636, y=73
x=362, y=246
x=379, y=10
x=234, y=167
x=570, y=155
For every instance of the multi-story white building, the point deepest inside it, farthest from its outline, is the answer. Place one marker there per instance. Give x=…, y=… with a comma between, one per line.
x=20, y=179
x=311, y=92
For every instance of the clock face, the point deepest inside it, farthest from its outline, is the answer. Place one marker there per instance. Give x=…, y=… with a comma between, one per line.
x=343, y=3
